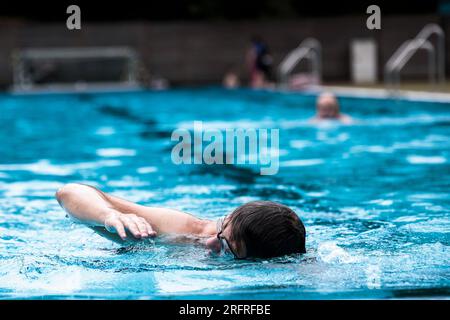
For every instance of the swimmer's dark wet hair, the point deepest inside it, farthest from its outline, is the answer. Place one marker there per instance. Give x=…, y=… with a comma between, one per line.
x=267, y=229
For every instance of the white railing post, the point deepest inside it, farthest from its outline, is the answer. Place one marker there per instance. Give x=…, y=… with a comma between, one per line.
x=436, y=58
x=310, y=49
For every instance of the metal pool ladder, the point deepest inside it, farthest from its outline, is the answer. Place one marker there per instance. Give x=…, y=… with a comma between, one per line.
x=436, y=58
x=310, y=49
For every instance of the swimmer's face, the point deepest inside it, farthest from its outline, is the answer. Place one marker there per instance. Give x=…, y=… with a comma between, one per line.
x=222, y=242
x=327, y=107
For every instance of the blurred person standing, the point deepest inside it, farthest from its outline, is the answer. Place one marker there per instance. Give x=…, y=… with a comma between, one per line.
x=259, y=63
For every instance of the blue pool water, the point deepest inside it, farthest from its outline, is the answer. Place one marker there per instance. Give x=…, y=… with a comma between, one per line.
x=374, y=196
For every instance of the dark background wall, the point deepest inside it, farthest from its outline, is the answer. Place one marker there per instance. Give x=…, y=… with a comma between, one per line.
x=197, y=41
x=210, y=10
x=201, y=52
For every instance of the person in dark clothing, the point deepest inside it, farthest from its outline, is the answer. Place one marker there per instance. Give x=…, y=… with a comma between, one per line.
x=259, y=63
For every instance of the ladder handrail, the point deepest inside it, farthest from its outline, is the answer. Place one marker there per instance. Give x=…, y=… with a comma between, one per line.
x=393, y=60
x=310, y=48
x=408, y=48
x=425, y=34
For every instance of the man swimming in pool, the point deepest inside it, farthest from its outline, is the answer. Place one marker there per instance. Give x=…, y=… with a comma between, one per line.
x=259, y=229
x=327, y=108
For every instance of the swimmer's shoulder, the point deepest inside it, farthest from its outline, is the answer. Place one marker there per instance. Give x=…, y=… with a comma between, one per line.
x=346, y=119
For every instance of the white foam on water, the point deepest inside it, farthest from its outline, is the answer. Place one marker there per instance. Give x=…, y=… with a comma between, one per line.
x=30, y=188
x=426, y=160
x=116, y=152
x=301, y=163
x=427, y=196
x=360, y=212
x=372, y=149
x=127, y=181
x=192, y=189
x=430, y=141
x=330, y=252
x=413, y=144
x=300, y=144
x=222, y=125
x=292, y=124
x=44, y=167
x=408, y=219
x=438, y=225
x=187, y=281
x=382, y=202
x=256, y=157
x=40, y=167
x=328, y=138
x=105, y=131
x=437, y=138
x=317, y=194
x=144, y=170
x=436, y=208
x=61, y=281
x=407, y=120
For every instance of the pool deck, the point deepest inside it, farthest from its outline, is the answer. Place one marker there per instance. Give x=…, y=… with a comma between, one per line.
x=415, y=91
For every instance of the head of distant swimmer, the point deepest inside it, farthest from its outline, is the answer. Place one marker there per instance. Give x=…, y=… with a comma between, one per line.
x=327, y=106
x=261, y=229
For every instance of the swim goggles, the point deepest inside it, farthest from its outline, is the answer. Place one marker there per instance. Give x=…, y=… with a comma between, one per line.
x=224, y=245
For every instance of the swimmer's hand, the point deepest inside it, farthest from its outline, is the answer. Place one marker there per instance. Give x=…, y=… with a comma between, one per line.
x=120, y=223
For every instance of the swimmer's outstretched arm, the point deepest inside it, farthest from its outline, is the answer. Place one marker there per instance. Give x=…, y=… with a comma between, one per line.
x=98, y=209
